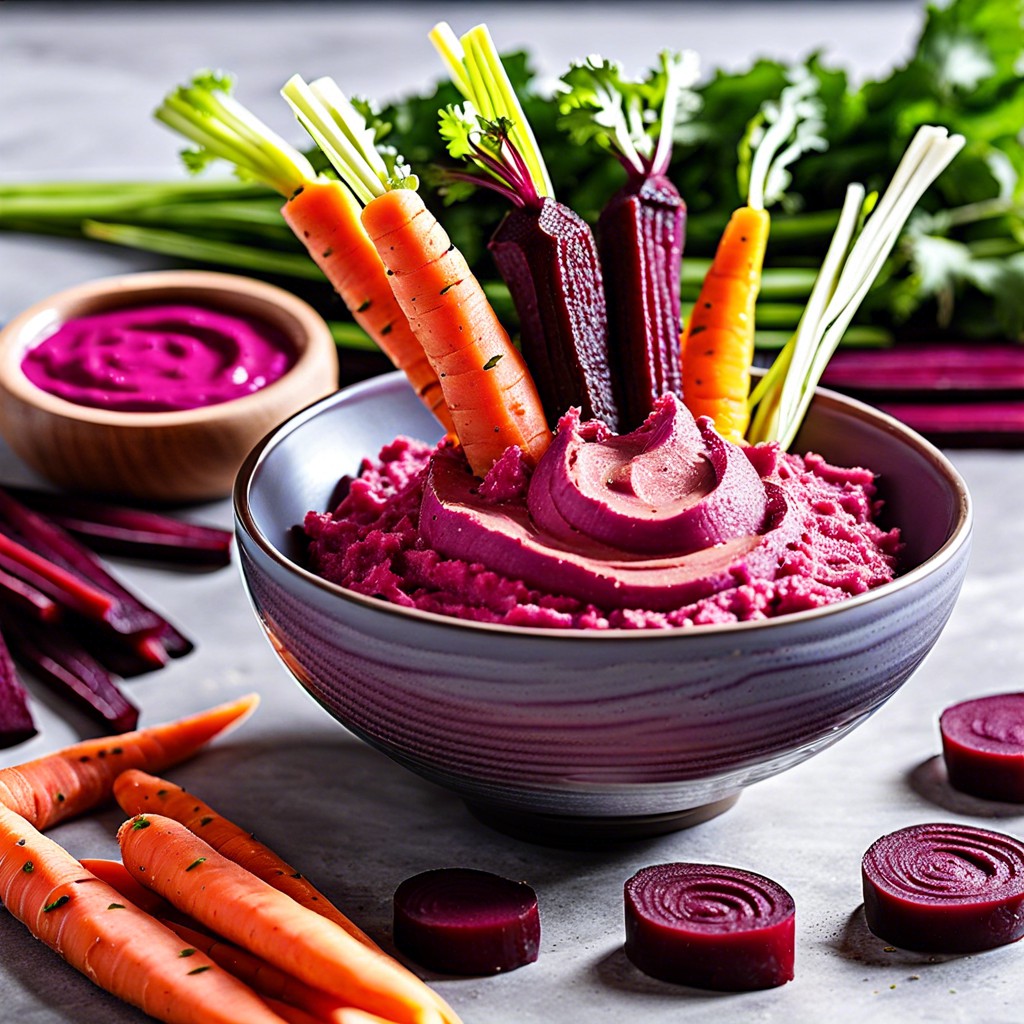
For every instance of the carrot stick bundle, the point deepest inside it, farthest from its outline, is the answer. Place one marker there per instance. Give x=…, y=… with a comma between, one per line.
x=78, y=778
x=491, y=397
x=232, y=902
x=112, y=942
x=320, y=211
x=140, y=793
x=718, y=339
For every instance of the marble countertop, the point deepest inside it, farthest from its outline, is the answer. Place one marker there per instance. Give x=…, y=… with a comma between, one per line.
x=78, y=82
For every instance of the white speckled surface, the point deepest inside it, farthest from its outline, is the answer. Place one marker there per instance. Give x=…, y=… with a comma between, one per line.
x=76, y=87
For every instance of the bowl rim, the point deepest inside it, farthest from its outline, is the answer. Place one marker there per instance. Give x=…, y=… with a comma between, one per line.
x=147, y=286
x=245, y=521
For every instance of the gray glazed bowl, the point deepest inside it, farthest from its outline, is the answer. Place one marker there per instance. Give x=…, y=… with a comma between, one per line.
x=581, y=736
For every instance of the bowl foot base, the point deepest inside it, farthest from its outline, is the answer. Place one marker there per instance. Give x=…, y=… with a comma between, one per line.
x=567, y=830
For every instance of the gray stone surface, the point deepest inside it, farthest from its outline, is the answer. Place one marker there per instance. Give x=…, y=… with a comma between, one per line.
x=76, y=84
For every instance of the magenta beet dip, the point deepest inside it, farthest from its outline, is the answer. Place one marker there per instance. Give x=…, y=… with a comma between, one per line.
x=669, y=525
x=158, y=358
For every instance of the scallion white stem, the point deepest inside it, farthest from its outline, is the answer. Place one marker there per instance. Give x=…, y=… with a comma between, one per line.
x=846, y=277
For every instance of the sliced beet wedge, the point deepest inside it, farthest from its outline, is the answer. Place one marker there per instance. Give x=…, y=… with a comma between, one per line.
x=942, y=888
x=710, y=927
x=548, y=258
x=983, y=746
x=462, y=921
x=641, y=233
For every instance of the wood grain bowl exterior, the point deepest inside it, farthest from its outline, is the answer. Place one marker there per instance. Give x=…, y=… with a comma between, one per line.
x=188, y=455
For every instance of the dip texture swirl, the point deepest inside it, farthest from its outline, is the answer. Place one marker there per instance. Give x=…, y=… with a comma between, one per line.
x=669, y=525
x=158, y=358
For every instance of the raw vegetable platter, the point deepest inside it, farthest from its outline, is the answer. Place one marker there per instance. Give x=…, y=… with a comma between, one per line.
x=349, y=818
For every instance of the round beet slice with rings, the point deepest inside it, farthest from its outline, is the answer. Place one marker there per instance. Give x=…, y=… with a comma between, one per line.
x=462, y=921
x=943, y=888
x=983, y=746
x=710, y=927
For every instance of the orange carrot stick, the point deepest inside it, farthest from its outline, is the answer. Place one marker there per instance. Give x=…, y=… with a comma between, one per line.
x=269, y=981
x=118, y=877
x=113, y=943
x=488, y=390
x=321, y=212
x=78, y=778
x=325, y=216
x=230, y=901
x=140, y=793
x=718, y=340
x=276, y=986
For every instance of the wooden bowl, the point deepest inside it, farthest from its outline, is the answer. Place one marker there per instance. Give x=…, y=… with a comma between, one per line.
x=185, y=455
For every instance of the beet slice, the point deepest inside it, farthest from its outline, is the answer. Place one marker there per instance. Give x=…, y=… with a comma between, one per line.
x=710, y=927
x=943, y=888
x=462, y=921
x=983, y=746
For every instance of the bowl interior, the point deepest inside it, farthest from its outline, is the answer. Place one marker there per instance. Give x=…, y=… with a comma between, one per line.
x=297, y=468
x=231, y=293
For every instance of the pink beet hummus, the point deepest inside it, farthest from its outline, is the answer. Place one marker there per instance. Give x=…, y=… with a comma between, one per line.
x=667, y=526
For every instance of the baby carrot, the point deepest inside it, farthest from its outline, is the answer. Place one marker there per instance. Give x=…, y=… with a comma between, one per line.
x=718, y=340
x=271, y=983
x=80, y=777
x=118, y=877
x=321, y=212
x=112, y=942
x=139, y=793
x=232, y=902
x=491, y=397
x=324, y=214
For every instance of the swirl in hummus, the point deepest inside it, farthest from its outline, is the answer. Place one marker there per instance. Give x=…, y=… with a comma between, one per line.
x=669, y=525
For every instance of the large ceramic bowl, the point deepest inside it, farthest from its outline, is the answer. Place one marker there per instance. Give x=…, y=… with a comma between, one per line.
x=593, y=733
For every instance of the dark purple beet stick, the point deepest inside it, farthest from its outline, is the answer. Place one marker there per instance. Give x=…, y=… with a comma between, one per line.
x=642, y=232
x=16, y=723
x=548, y=258
x=642, y=228
x=462, y=921
x=134, y=532
x=59, y=661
